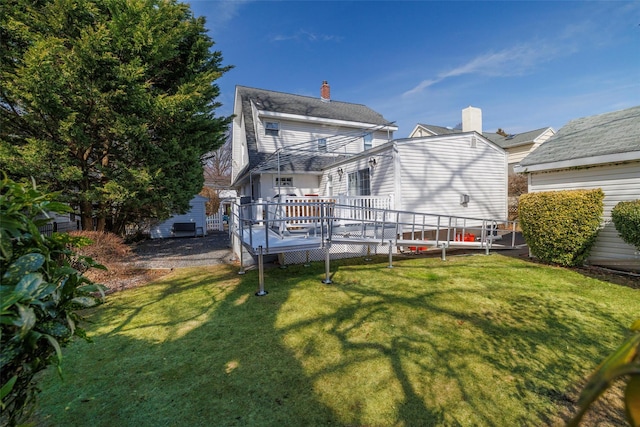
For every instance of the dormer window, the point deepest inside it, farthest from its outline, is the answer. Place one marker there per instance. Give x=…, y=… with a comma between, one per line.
x=368, y=141
x=271, y=128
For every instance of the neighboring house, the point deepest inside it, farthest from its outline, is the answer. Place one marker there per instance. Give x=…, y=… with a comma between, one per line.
x=282, y=142
x=517, y=146
x=297, y=145
x=600, y=151
x=196, y=214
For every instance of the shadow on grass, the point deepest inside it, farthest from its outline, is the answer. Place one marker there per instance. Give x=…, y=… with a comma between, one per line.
x=413, y=345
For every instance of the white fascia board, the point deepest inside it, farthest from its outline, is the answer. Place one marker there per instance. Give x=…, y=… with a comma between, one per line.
x=320, y=120
x=584, y=161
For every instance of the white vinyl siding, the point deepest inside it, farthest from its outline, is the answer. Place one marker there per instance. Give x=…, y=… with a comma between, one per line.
x=435, y=173
x=619, y=183
x=305, y=136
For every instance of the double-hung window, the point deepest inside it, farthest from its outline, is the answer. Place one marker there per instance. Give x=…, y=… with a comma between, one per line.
x=284, y=181
x=271, y=128
x=368, y=141
x=359, y=183
x=322, y=145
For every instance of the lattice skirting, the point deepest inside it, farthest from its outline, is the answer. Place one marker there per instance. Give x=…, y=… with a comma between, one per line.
x=337, y=251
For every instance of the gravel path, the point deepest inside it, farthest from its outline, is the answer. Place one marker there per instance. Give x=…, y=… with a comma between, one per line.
x=184, y=251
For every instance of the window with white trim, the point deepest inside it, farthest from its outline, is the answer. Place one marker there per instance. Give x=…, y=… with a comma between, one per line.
x=359, y=183
x=322, y=145
x=271, y=128
x=367, y=140
x=284, y=181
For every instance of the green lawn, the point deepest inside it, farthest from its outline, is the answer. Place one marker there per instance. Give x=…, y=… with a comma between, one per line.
x=472, y=341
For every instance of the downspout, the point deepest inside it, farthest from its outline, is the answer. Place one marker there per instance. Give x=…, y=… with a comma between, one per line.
x=397, y=177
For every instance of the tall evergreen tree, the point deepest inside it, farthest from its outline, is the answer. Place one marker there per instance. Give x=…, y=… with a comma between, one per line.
x=111, y=102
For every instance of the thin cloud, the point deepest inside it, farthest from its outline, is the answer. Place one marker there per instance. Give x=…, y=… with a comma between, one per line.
x=514, y=61
x=224, y=11
x=304, y=35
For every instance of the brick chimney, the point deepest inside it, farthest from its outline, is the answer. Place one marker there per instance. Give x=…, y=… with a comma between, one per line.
x=325, y=92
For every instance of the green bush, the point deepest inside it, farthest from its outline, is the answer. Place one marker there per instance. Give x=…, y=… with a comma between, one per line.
x=41, y=291
x=626, y=219
x=561, y=227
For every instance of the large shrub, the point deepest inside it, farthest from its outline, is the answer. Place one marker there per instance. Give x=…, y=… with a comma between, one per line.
x=40, y=294
x=561, y=227
x=626, y=219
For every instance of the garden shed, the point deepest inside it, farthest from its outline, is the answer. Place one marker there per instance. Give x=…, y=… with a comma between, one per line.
x=601, y=151
x=192, y=223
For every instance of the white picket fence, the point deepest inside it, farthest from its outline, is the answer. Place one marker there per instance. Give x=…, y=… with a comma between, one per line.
x=215, y=222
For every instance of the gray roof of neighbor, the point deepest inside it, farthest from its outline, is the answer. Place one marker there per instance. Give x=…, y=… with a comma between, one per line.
x=515, y=139
x=500, y=140
x=440, y=130
x=609, y=133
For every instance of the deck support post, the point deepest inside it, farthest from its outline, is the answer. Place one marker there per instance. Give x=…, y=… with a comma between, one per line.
x=390, y=254
x=307, y=264
x=261, y=292
x=327, y=264
x=368, y=257
x=241, y=271
x=444, y=251
x=486, y=247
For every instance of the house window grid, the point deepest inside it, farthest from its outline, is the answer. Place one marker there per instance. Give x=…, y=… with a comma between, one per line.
x=359, y=183
x=322, y=145
x=284, y=181
x=367, y=140
x=272, y=128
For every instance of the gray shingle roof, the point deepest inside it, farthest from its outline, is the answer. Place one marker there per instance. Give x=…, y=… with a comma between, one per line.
x=440, y=130
x=514, y=140
x=279, y=102
x=604, y=134
x=286, y=103
x=499, y=140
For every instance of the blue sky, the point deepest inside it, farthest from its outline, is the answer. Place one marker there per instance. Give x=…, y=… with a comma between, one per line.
x=527, y=65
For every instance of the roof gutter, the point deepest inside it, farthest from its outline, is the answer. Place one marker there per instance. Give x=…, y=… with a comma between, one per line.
x=576, y=163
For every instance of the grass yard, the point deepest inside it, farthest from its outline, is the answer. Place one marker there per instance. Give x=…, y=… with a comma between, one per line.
x=473, y=341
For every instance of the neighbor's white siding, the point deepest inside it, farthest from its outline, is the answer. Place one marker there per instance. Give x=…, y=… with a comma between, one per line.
x=619, y=183
x=516, y=154
x=196, y=214
x=436, y=172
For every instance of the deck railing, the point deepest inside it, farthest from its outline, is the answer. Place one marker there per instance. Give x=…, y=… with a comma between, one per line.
x=360, y=218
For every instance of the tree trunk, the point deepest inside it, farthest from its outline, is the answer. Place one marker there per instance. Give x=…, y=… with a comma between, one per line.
x=101, y=224
x=86, y=215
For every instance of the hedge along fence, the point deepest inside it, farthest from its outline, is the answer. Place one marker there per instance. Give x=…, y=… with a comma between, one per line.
x=626, y=219
x=561, y=227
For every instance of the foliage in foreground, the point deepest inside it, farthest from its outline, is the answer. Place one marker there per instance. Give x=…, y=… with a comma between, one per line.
x=42, y=289
x=626, y=219
x=111, y=102
x=623, y=362
x=561, y=227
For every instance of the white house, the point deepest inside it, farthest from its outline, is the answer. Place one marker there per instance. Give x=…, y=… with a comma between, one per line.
x=462, y=174
x=281, y=142
x=196, y=215
x=601, y=151
x=298, y=145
